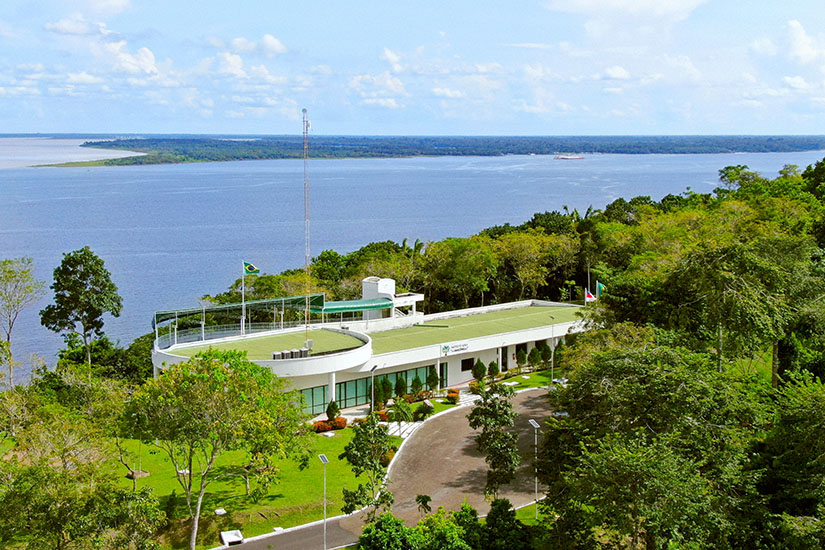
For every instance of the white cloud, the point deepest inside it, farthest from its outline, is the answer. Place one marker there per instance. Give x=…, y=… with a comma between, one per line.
x=142, y=61
x=271, y=46
x=796, y=82
x=617, y=72
x=84, y=78
x=231, y=64
x=322, y=69
x=393, y=59
x=262, y=73
x=672, y=10
x=268, y=46
x=387, y=102
x=763, y=46
x=531, y=46
x=77, y=25
x=448, y=93
x=613, y=90
x=489, y=68
x=804, y=48
x=384, y=82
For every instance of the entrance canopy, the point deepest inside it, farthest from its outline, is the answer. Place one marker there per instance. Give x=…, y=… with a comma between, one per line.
x=349, y=306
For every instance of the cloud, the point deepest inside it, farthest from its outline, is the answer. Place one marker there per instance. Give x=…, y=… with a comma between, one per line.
x=142, y=61
x=78, y=26
x=268, y=45
x=763, y=46
x=231, y=64
x=83, y=78
x=804, y=48
x=107, y=7
x=448, y=93
x=387, y=102
x=796, y=82
x=531, y=46
x=383, y=82
x=393, y=59
x=617, y=72
x=671, y=10
x=262, y=73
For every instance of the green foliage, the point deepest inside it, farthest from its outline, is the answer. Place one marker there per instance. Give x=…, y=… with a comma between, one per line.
x=457, y=268
x=493, y=414
x=369, y=444
x=389, y=533
x=534, y=358
x=479, y=370
x=386, y=390
x=492, y=369
x=440, y=532
x=416, y=387
x=400, y=387
x=18, y=290
x=502, y=530
x=521, y=357
x=422, y=411
x=83, y=292
x=332, y=410
x=402, y=412
x=423, y=502
x=432, y=379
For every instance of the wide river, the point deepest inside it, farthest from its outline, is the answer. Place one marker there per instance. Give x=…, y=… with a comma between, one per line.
x=170, y=234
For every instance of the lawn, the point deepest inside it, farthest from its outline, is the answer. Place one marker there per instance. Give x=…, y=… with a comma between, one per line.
x=296, y=500
x=323, y=341
x=470, y=326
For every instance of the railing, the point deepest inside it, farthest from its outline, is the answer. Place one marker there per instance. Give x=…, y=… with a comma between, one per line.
x=169, y=336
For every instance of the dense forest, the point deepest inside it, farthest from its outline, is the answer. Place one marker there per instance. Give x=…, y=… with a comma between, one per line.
x=693, y=416
x=176, y=149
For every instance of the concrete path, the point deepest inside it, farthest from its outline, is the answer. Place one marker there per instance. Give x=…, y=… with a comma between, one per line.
x=439, y=459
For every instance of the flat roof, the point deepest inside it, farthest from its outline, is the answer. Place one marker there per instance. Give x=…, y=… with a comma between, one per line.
x=470, y=326
x=261, y=348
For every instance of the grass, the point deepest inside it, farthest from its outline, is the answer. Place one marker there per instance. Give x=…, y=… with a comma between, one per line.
x=470, y=326
x=295, y=500
x=761, y=364
x=323, y=341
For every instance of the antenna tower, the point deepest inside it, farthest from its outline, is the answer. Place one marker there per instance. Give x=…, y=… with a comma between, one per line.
x=306, y=223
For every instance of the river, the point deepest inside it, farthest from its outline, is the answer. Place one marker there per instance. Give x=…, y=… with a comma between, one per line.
x=172, y=233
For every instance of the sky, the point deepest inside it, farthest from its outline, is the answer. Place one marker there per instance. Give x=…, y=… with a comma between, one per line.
x=452, y=67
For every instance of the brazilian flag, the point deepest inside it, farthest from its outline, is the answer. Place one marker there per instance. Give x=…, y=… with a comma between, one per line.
x=250, y=269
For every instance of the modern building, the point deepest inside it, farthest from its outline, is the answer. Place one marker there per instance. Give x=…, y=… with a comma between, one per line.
x=381, y=335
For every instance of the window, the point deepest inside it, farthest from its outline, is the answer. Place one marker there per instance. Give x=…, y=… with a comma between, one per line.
x=443, y=375
x=467, y=364
x=315, y=399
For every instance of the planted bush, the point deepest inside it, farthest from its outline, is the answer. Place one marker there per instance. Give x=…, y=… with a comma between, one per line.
x=422, y=411
x=452, y=398
x=332, y=410
x=339, y=423
x=416, y=387
x=387, y=458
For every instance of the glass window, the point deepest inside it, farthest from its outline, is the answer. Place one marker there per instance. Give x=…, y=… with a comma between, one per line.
x=467, y=364
x=443, y=375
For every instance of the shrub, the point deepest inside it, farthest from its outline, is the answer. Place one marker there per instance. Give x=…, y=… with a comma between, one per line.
x=400, y=386
x=383, y=416
x=422, y=411
x=534, y=358
x=475, y=386
x=387, y=458
x=409, y=398
x=492, y=369
x=479, y=369
x=339, y=423
x=321, y=426
x=432, y=379
x=416, y=387
x=357, y=421
x=452, y=398
x=453, y=390
x=332, y=410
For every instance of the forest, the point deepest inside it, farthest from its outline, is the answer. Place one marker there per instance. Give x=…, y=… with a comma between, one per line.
x=693, y=415
x=177, y=149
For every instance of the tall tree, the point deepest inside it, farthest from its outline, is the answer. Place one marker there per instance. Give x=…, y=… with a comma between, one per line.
x=18, y=290
x=83, y=292
x=494, y=414
x=364, y=452
x=458, y=267
x=214, y=403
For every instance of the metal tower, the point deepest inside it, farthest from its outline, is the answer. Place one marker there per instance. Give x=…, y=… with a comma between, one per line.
x=306, y=224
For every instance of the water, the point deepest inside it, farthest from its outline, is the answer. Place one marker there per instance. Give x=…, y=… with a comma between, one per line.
x=170, y=234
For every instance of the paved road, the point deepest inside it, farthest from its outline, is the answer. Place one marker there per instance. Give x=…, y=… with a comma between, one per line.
x=439, y=460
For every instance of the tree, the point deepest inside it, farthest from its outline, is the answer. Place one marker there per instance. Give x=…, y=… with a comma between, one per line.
x=369, y=444
x=400, y=387
x=423, y=502
x=493, y=370
x=458, y=267
x=83, y=292
x=416, y=387
x=389, y=533
x=386, y=391
x=333, y=410
x=18, y=290
x=440, y=532
x=214, y=403
x=479, y=370
x=433, y=380
x=493, y=414
x=402, y=412
x=534, y=358
x=503, y=531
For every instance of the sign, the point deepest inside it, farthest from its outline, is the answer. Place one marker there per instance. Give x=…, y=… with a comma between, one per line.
x=448, y=349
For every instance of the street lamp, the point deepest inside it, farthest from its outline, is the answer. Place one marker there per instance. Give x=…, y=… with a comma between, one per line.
x=372, y=387
x=552, y=350
x=536, y=460
x=325, y=461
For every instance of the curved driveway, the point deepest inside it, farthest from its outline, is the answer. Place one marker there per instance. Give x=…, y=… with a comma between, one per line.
x=440, y=460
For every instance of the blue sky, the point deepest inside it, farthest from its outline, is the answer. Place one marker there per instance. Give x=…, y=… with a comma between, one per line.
x=551, y=67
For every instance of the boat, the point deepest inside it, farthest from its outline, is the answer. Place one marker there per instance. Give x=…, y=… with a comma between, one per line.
x=568, y=157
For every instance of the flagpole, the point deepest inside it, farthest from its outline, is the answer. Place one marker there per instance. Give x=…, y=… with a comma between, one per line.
x=243, y=296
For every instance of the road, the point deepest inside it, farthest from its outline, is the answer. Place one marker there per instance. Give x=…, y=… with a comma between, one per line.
x=440, y=460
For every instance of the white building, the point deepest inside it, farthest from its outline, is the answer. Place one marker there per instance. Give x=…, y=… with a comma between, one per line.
x=391, y=338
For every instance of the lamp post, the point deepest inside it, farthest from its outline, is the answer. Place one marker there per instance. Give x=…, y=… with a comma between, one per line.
x=536, y=460
x=552, y=351
x=324, y=460
x=372, y=387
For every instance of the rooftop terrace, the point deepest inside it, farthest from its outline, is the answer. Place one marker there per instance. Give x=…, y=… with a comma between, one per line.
x=426, y=334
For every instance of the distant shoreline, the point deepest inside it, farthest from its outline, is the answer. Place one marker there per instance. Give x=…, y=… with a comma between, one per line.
x=27, y=152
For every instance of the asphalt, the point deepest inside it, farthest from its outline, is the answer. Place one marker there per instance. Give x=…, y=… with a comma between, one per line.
x=440, y=460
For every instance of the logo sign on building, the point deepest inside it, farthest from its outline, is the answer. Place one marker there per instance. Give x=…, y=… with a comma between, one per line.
x=448, y=349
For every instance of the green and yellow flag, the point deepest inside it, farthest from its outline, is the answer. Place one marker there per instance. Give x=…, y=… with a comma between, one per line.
x=250, y=269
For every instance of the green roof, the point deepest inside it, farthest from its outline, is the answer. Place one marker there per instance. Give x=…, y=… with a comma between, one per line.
x=348, y=306
x=470, y=326
x=257, y=349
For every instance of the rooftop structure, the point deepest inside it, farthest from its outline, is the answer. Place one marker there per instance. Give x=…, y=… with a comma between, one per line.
x=341, y=353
